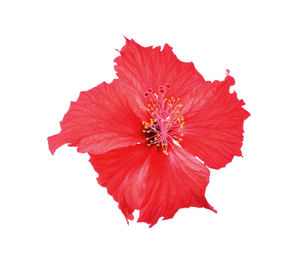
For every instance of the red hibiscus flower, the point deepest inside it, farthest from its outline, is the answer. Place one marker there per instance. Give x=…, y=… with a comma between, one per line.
x=143, y=131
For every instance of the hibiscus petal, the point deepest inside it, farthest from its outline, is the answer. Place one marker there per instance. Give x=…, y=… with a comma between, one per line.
x=175, y=181
x=123, y=171
x=214, y=120
x=100, y=120
x=143, y=178
x=140, y=68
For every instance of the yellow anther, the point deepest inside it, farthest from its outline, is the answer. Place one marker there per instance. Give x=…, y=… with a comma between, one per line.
x=158, y=125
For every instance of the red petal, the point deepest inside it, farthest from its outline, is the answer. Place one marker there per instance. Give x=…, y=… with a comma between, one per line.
x=122, y=172
x=175, y=181
x=140, y=68
x=99, y=121
x=143, y=178
x=214, y=121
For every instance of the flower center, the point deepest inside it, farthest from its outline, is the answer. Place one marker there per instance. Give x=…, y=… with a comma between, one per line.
x=166, y=121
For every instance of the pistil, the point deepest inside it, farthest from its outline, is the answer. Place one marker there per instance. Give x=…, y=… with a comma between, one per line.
x=166, y=121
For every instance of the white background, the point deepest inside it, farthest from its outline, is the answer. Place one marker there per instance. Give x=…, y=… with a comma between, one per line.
x=52, y=209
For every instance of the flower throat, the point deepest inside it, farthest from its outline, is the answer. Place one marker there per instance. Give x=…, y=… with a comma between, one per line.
x=166, y=121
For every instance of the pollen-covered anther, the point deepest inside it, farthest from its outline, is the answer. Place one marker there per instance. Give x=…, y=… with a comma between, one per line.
x=166, y=122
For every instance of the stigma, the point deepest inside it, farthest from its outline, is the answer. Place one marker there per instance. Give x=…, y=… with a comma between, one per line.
x=166, y=122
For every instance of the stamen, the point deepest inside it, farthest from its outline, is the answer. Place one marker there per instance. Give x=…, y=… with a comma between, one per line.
x=166, y=121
